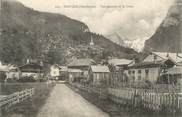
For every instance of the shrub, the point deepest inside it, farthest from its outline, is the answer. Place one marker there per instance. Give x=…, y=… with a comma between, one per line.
x=2, y=77
x=27, y=79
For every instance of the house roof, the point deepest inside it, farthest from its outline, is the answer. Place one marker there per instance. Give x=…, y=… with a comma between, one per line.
x=167, y=62
x=117, y=62
x=3, y=68
x=56, y=66
x=75, y=70
x=179, y=64
x=177, y=57
x=6, y=67
x=82, y=62
x=174, y=70
x=100, y=69
x=31, y=67
x=63, y=68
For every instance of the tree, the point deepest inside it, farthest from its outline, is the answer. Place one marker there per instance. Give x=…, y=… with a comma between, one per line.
x=55, y=56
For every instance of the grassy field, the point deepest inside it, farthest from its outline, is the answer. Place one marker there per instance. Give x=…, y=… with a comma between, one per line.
x=30, y=107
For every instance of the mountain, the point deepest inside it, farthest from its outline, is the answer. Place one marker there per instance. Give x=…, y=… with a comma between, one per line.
x=29, y=34
x=116, y=38
x=168, y=36
x=136, y=44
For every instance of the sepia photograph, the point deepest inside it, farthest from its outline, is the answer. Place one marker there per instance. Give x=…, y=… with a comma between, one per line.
x=90, y=58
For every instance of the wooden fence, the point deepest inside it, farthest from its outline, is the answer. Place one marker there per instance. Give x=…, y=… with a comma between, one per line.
x=101, y=92
x=148, y=101
x=15, y=98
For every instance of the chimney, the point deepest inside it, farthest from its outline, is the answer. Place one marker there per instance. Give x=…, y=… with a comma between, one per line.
x=134, y=61
x=155, y=58
x=167, y=55
x=28, y=61
x=41, y=63
x=177, y=55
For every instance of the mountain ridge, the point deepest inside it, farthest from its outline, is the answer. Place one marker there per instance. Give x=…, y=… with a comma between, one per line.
x=27, y=33
x=168, y=36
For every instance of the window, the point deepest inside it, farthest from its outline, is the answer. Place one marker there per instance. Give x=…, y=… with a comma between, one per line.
x=139, y=71
x=129, y=72
x=133, y=78
x=139, y=77
x=133, y=72
x=147, y=73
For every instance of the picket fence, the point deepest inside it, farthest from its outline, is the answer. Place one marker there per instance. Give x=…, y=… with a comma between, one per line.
x=148, y=101
x=145, y=100
x=101, y=92
x=15, y=98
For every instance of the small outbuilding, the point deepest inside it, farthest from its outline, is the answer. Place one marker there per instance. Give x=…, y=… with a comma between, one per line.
x=172, y=76
x=117, y=67
x=99, y=75
x=82, y=64
x=75, y=75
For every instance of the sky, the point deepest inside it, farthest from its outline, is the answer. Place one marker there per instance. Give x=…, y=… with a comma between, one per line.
x=132, y=19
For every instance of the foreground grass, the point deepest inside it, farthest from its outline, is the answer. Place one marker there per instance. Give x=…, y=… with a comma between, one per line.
x=30, y=107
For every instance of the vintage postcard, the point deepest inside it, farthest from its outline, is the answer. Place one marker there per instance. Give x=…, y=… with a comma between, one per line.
x=90, y=58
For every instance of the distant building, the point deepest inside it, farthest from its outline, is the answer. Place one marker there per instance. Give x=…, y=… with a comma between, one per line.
x=172, y=76
x=119, y=63
x=99, y=75
x=75, y=75
x=3, y=71
x=64, y=73
x=81, y=64
x=117, y=67
x=31, y=70
x=8, y=71
x=160, y=56
x=63, y=69
x=152, y=67
x=55, y=71
x=13, y=73
x=3, y=68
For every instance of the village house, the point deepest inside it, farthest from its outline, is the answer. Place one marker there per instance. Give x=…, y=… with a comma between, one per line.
x=3, y=68
x=119, y=63
x=159, y=56
x=152, y=67
x=99, y=75
x=64, y=73
x=81, y=64
x=117, y=67
x=8, y=72
x=3, y=71
x=13, y=73
x=55, y=71
x=75, y=75
x=172, y=76
x=33, y=70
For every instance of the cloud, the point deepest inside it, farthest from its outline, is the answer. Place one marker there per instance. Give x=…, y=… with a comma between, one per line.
x=138, y=21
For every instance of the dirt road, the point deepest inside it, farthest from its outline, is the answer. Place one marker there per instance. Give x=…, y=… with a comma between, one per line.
x=63, y=102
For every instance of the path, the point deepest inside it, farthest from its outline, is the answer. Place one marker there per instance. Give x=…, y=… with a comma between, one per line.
x=63, y=102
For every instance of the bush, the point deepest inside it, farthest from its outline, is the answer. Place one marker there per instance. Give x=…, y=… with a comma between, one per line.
x=27, y=79
x=2, y=77
x=11, y=80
